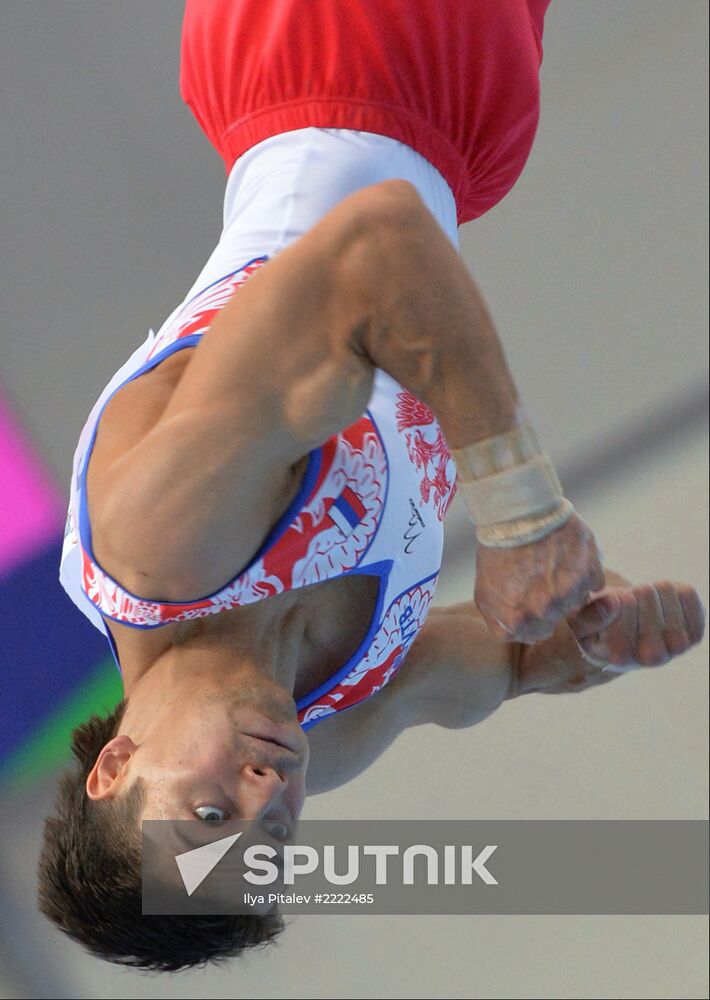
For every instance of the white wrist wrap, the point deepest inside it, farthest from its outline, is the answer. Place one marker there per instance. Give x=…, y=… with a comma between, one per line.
x=511, y=489
x=524, y=530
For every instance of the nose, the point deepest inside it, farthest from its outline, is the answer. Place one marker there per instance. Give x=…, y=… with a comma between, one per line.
x=261, y=788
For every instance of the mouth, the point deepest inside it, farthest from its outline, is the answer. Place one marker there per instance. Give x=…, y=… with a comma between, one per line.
x=276, y=754
x=275, y=735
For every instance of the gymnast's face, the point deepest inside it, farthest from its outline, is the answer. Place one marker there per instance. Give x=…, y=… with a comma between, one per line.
x=219, y=754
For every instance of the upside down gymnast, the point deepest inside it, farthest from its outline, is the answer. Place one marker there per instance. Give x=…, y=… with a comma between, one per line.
x=258, y=495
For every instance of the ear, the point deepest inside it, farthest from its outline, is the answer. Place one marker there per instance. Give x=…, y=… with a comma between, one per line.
x=104, y=780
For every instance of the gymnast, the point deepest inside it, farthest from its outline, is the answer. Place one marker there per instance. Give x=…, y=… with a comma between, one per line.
x=258, y=495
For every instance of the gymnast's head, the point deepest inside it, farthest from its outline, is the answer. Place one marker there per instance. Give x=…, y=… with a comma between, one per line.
x=192, y=749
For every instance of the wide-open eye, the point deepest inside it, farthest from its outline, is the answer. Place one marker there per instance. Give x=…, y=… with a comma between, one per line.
x=210, y=814
x=278, y=831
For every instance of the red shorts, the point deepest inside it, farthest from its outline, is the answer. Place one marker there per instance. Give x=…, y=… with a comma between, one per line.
x=457, y=80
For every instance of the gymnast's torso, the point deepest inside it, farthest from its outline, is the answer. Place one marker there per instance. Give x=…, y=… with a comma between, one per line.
x=353, y=545
x=355, y=540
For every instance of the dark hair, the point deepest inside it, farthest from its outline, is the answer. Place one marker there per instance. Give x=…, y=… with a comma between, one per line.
x=90, y=877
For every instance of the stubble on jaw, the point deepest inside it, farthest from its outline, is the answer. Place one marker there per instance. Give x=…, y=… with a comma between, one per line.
x=263, y=698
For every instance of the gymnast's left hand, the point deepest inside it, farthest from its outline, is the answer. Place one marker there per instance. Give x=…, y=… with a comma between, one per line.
x=622, y=628
x=644, y=626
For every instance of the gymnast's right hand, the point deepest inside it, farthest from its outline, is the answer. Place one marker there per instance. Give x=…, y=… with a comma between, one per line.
x=524, y=592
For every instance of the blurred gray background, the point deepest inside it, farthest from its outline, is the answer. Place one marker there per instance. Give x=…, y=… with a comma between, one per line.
x=594, y=268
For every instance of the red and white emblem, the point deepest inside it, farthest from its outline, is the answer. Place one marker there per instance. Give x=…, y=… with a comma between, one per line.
x=428, y=451
x=385, y=654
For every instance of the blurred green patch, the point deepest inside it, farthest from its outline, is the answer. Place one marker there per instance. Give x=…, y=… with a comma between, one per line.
x=48, y=746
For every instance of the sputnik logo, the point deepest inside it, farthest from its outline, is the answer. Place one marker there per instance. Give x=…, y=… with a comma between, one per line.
x=195, y=865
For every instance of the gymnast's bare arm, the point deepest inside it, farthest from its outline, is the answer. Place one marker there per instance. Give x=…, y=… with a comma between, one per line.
x=456, y=674
x=287, y=363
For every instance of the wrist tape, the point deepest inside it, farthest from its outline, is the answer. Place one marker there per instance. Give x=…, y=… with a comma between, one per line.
x=511, y=489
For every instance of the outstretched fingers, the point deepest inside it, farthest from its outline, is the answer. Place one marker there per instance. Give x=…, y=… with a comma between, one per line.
x=652, y=624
